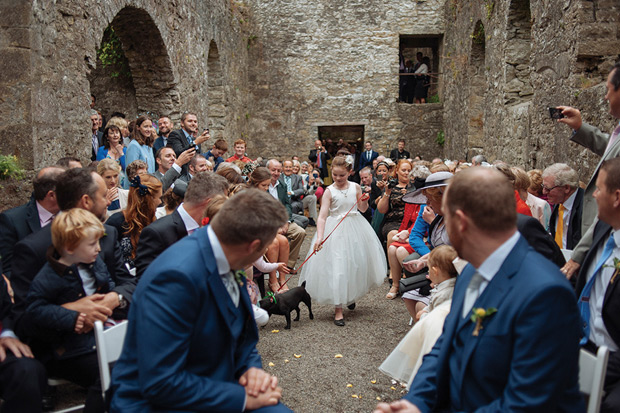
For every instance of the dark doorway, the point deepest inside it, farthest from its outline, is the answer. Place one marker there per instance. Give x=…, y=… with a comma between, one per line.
x=429, y=46
x=349, y=136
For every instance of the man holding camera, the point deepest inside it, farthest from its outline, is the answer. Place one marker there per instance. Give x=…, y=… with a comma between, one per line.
x=319, y=156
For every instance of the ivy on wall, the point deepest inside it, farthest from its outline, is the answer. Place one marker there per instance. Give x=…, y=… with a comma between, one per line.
x=111, y=54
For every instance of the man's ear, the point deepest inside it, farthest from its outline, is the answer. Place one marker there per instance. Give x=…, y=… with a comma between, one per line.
x=86, y=202
x=462, y=222
x=616, y=196
x=254, y=246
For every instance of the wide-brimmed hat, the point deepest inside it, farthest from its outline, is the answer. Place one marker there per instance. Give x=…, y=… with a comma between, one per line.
x=433, y=181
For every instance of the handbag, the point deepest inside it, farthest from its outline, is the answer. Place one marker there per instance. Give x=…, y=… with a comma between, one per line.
x=413, y=283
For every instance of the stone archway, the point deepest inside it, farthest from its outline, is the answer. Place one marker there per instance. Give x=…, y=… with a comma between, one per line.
x=518, y=88
x=149, y=88
x=477, y=89
x=216, y=95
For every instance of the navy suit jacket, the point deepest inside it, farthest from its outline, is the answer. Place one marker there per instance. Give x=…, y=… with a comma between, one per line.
x=158, y=144
x=573, y=234
x=180, y=352
x=526, y=355
x=364, y=161
x=15, y=225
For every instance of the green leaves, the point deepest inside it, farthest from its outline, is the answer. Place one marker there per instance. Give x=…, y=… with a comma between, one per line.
x=111, y=54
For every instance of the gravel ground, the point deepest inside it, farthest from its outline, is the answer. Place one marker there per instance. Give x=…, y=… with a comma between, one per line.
x=317, y=381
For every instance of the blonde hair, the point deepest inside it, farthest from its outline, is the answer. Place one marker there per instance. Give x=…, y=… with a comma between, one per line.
x=71, y=227
x=108, y=164
x=214, y=206
x=442, y=258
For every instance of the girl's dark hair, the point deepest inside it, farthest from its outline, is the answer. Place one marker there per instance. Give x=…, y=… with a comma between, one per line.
x=259, y=175
x=135, y=134
x=106, y=143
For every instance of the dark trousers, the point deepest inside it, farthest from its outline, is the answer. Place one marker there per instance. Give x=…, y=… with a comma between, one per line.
x=22, y=382
x=83, y=371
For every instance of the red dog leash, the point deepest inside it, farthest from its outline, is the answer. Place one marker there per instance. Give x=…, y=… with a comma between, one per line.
x=322, y=242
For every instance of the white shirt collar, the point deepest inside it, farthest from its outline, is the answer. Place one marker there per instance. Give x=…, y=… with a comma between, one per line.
x=568, y=204
x=188, y=221
x=492, y=264
x=223, y=267
x=44, y=215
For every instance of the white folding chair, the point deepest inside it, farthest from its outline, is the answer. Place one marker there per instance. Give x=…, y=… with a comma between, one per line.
x=592, y=376
x=109, y=348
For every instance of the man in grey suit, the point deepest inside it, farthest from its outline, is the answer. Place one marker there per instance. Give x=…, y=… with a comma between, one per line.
x=608, y=147
x=297, y=194
x=169, y=167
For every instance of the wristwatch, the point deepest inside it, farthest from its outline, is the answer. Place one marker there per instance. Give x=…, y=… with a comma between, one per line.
x=122, y=303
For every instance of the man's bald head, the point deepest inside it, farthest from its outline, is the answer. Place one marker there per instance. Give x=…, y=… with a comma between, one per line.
x=46, y=181
x=485, y=196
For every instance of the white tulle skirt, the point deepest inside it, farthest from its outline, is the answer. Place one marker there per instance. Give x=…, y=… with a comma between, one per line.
x=349, y=264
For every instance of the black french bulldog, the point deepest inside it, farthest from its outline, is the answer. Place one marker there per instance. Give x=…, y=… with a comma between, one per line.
x=286, y=302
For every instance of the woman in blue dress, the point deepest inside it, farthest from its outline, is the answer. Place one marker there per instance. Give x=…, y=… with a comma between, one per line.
x=141, y=145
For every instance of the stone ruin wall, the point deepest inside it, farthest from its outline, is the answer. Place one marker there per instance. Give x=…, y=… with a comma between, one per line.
x=282, y=69
x=558, y=53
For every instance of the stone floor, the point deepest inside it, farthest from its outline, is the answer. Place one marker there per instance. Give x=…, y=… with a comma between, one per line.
x=317, y=380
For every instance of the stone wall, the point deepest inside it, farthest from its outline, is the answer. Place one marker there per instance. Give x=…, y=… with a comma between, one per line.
x=324, y=63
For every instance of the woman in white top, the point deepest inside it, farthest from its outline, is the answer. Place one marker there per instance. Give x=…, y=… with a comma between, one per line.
x=110, y=170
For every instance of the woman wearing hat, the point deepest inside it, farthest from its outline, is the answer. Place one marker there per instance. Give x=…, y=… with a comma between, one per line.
x=432, y=195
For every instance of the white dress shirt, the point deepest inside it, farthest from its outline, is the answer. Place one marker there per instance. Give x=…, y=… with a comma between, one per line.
x=188, y=221
x=45, y=217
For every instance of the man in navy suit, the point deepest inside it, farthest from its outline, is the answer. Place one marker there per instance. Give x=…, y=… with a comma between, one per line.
x=191, y=340
x=521, y=351
x=366, y=157
x=165, y=127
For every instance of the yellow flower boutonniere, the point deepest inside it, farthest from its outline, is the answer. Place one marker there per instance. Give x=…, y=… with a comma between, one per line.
x=240, y=276
x=478, y=315
x=616, y=267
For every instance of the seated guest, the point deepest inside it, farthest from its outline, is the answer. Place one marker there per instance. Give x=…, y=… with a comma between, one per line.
x=76, y=188
x=404, y=361
x=390, y=204
x=296, y=193
x=144, y=197
x=141, y=145
x=123, y=126
x=164, y=360
x=117, y=197
x=171, y=199
x=596, y=282
x=522, y=207
x=69, y=162
x=73, y=270
x=279, y=249
x=239, y=147
x=97, y=135
x=17, y=223
x=314, y=184
x=220, y=147
x=540, y=209
x=231, y=174
x=165, y=231
x=296, y=166
x=197, y=164
x=137, y=167
x=112, y=146
x=22, y=378
x=169, y=167
x=536, y=183
x=561, y=185
x=366, y=182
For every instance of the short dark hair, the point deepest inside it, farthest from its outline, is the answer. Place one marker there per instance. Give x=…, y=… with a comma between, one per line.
x=615, y=77
x=401, y=140
x=468, y=191
x=205, y=185
x=194, y=160
x=612, y=167
x=45, y=181
x=65, y=161
x=158, y=153
x=117, y=115
x=72, y=185
x=221, y=145
x=106, y=142
x=186, y=114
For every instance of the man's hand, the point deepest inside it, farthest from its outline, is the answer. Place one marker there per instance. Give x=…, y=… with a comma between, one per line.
x=268, y=398
x=401, y=406
x=572, y=117
x=414, y=265
x=202, y=138
x=257, y=381
x=185, y=156
x=110, y=300
x=93, y=308
x=570, y=268
x=16, y=347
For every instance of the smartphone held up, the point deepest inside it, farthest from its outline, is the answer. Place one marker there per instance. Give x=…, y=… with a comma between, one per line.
x=556, y=113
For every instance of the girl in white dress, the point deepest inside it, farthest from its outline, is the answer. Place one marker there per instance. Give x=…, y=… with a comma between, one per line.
x=352, y=259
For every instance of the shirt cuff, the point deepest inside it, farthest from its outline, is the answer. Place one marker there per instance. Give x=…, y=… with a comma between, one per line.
x=8, y=333
x=176, y=167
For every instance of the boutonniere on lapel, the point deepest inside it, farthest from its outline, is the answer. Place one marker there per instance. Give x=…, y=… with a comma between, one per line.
x=478, y=315
x=616, y=267
x=240, y=276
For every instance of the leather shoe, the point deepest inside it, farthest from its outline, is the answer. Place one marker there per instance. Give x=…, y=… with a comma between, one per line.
x=311, y=222
x=339, y=323
x=351, y=306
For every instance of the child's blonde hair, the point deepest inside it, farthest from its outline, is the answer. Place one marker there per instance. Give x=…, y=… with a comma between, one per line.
x=70, y=227
x=442, y=257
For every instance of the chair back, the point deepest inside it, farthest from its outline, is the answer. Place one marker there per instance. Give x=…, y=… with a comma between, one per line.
x=109, y=348
x=592, y=370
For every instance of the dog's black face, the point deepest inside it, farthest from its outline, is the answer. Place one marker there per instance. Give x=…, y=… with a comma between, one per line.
x=283, y=304
x=267, y=304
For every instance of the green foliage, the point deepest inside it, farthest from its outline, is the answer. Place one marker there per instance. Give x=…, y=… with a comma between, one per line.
x=441, y=138
x=478, y=35
x=111, y=54
x=10, y=168
x=433, y=99
x=489, y=5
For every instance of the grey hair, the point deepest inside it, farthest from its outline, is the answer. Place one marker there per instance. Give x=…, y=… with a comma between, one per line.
x=419, y=171
x=205, y=185
x=479, y=159
x=269, y=162
x=227, y=165
x=562, y=175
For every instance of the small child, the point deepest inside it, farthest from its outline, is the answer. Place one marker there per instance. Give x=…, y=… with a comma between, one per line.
x=403, y=363
x=352, y=259
x=73, y=270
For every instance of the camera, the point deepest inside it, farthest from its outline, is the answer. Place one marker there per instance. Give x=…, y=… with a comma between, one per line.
x=315, y=175
x=556, y=113
x=392, y=182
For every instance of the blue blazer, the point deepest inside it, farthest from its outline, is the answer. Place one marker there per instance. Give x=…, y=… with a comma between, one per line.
x=179, y=351
x=526, y=355
x=364, y=161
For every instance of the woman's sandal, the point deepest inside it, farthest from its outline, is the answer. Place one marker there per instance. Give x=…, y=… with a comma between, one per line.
x=274, y=287
x=284, y=287
x=392, y=294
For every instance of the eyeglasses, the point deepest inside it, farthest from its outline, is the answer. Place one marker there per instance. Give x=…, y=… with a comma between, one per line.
x=544, y=188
